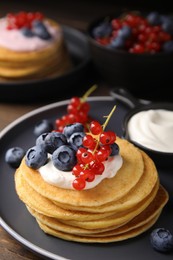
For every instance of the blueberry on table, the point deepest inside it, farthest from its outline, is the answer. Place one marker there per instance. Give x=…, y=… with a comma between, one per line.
x=42, y=127
x=64, y=158
x=14, y=156
x=72, y=128
x=161, y=240
x=36, y=157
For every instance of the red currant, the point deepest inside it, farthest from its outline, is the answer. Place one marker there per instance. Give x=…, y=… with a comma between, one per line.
x=89, y=142
x=108, y=137
x=86, y=157
x=79, y=183
x=95, y=128
x=97, y=168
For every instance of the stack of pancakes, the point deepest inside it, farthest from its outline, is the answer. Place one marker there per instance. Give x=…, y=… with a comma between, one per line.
x=53, y=60
x=117, y=209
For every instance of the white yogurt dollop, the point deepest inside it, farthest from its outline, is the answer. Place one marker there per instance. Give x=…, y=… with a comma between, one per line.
x=153, y=129
x=64, y=179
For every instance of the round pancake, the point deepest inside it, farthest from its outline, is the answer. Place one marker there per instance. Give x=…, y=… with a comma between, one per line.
x=52, y=59
x=142, y=189
x=14, y=56
x=107, y=191
x=151, y=212
x=115, y=220
x=84, y=239
x=43, y=205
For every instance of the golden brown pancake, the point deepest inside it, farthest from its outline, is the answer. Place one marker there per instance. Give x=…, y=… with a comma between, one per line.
x=151, y=212
x=107, y=191
x=85, y=239
x=142, y=189
x=50, y=61
x=116, y=209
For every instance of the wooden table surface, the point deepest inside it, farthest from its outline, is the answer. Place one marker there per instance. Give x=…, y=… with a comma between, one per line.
x=72, y=13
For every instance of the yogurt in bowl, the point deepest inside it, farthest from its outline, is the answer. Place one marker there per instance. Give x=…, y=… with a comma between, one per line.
x=148, y=125
x=152, y=128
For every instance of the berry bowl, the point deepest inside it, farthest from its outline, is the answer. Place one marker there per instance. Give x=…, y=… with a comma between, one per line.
x=149, y=126
x=134, y=50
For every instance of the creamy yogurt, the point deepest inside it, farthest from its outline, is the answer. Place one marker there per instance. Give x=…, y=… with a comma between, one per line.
x=64, y=179
x=16, y=41
x=153, y=129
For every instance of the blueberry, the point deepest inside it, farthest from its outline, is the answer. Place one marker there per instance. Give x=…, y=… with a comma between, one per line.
x=117, y=43
x=42, y=127
x=36, y=157
x=40, y=30
x=167, y=25
x=54, y=140
x=125, y=32
x=76, y=139
x=73, y=128
x=115, y=149
x=40, y=141
x=27, y=32
x=168, y=46
x=161, y=240
x=154, y=18
x=14, y=156
x=104, y=29
x=64, y=158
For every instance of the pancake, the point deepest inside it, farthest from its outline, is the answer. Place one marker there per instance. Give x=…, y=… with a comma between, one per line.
x=151, y=212
x=107, y=191
x=45, y=206
x=53, y=59
x=141, y=190
x=118, y=208
x=84, y=239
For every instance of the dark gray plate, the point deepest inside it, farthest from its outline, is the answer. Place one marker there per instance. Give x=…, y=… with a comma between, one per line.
x=53, y=88
x=16, y=220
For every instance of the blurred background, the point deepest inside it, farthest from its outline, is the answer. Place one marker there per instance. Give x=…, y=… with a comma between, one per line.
x=79, y=14
x=85, y=10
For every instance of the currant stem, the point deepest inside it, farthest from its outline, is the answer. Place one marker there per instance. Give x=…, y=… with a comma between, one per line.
x=104, y=126
x=89, y=91
x=108, y=118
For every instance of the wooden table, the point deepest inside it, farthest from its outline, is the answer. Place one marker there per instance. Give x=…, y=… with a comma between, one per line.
x=72, y=13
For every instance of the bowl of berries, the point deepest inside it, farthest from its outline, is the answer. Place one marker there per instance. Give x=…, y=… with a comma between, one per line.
x=134, y=50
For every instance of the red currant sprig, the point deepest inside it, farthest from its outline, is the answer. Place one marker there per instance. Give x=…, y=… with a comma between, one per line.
x=22, y=19
x=96, y=149
x=77, y=111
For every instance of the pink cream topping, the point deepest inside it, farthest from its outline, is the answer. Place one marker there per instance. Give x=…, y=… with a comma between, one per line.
x=16, y=41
